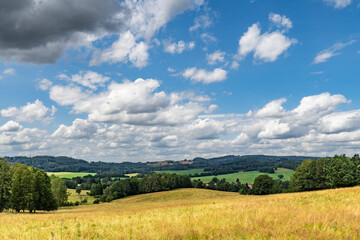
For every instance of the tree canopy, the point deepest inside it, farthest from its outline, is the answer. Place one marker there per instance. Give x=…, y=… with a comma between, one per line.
x=25, y=188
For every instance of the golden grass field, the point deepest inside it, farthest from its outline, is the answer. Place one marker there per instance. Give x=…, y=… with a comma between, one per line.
x=198, y=214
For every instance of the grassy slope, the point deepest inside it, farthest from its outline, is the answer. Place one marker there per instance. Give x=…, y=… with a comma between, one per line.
x=69, y=174
x=247, y=177
x=198, y=214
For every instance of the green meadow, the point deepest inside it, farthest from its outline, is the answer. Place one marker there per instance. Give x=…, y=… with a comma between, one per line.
x=75, y=197
x=70, y=174
x=248, y=177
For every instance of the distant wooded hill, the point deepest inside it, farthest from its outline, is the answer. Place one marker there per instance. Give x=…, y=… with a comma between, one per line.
x=218, y=165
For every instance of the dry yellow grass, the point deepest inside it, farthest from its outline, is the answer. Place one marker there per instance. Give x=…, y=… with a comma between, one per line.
x=198, y=214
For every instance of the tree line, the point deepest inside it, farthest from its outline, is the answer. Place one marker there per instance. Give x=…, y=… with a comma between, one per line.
x=28, y=188
x=212, y=166
x=324, y=173
x=132, y=186
x=334, y=172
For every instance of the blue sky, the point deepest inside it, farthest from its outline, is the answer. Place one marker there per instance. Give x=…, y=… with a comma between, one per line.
x=172, y=79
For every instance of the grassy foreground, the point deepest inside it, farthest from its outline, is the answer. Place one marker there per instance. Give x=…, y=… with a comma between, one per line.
x=198, y=214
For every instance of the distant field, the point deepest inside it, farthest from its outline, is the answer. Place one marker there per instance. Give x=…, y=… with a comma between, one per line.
x=132, y=174
x=198, y=214
x=282, y=170
x=79, y=197
x=248, y=177
x=70, y=174
x=186, y=172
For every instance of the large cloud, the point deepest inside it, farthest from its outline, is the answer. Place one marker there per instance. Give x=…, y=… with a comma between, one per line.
x=268, y=46
x=340, y=122
x=135, y=102
x=67, y=95
x=15, y=136
x=45, y=29
x=30, y=112
x=40, y=32
x=10, y=126
x=273, y=121
x=206, y=129
x=78, y=130
x=123, y=50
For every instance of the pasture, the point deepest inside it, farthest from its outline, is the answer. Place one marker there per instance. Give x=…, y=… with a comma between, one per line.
x=70, y=174
x=198, y=214
x=75, y=197
x=248, y=177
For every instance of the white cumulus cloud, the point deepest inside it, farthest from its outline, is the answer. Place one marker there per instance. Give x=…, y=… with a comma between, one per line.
x=266, y=47
x=135, y=103
x=78, y=130
x=125, y=49
x=215, y=57
x=88, y=79
x=204, y=76
x=280, y=21
x=146, y=18
x=30, y=112
x=11, y=126
x=206, y=129
x=67, y=95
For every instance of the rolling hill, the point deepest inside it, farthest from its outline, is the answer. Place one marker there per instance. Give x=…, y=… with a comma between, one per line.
x=198, y=214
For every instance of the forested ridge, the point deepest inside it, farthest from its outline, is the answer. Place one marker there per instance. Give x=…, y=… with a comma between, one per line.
x=212, y=166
